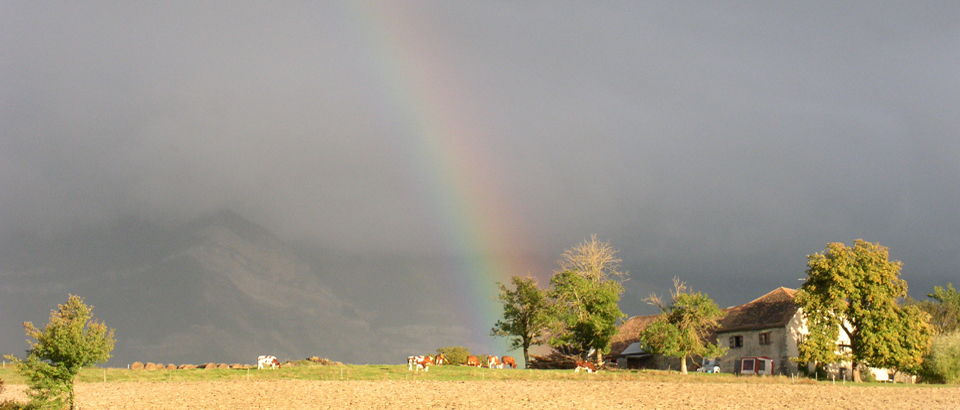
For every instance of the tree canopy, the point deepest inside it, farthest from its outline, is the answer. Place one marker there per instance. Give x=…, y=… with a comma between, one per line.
x=855, y=290
x=525, y=314
x=945, y=312
x=586, y=292
x=70, y=341
x=684, y=326
x=941, y=364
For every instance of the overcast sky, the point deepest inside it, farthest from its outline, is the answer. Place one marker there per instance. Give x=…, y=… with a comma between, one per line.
x=720, y=142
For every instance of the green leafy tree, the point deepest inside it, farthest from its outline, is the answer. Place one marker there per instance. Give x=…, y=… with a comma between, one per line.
x=455, y=355
x=586, y=292
x=525, y=314
x=941, y=364
x=585, y=313
x=69, y=342
x=855, y=290
x=684, y=326
x=945, y=311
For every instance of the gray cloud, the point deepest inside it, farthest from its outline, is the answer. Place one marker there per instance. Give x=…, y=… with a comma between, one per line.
x=704, y=141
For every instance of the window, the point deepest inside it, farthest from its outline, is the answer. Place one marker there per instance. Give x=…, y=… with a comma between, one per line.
x=746, y=366
x=765, y=338
x=736, y=341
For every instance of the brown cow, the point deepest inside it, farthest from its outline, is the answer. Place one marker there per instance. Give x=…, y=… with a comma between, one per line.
x=589, y=367
x=473, y=361
x=441, y=359
x=508, y=361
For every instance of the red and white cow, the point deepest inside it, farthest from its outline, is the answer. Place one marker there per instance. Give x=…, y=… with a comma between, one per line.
x=441, y=359
x=473, y=361
x=421, y=362
x=424, y=363
x=508, y=361
x=268, y=361
x=493, y=362
x=587, y=366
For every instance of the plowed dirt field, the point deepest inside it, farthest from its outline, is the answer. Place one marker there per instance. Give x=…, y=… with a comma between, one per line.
x=301, y=394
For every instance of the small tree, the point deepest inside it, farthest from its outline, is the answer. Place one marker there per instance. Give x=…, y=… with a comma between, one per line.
x=525, y=314
x=945, y=312
x=69, y=342
x=684, y=326
x=455, y=355
x=941, y=364
x=856, y=290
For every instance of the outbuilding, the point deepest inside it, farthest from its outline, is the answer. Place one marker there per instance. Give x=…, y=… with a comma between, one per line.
x=755, y=365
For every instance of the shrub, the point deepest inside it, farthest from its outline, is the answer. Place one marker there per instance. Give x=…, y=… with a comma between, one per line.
x=942, y=363
x=69, y=342
x=456, y=355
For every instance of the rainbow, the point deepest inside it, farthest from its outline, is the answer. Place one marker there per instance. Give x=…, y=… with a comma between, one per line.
x=442, y=135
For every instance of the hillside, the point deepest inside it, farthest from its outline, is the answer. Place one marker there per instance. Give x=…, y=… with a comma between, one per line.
x=218, y=288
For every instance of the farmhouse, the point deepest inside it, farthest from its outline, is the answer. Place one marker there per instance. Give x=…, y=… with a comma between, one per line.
x=761, y=336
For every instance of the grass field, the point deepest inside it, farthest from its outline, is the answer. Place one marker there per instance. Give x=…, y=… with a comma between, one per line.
x=305, y=370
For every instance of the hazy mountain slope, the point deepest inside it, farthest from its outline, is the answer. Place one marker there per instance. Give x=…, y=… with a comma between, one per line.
x=223, y=289
x=217, y=289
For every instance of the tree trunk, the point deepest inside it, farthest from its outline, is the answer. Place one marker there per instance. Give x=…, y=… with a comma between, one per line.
x=526, y=358
x=683, y=365
x=856, y=372
x=599, y=359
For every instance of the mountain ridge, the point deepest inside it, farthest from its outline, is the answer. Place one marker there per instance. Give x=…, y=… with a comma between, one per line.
x=214, y=287
x=220, y=288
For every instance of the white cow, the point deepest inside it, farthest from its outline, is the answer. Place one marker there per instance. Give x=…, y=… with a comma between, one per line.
x=268, y=361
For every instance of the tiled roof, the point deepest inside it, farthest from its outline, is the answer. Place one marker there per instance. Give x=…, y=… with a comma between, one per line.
x=775, y=309
x=630, y=332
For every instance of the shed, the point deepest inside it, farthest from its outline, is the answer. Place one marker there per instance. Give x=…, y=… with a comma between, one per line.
x=759, y=365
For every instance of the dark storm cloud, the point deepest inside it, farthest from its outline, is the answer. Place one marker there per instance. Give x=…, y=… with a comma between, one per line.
x=703, y=141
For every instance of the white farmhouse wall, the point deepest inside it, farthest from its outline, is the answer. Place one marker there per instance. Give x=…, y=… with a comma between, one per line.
x=782, y=346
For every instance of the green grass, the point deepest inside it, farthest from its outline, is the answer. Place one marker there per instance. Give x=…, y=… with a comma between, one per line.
x=309, y=371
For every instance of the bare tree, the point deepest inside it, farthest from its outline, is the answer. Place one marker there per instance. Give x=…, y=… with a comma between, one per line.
x=592, y=259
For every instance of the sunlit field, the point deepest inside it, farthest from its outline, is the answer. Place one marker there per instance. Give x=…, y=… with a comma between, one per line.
x=312, y=386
